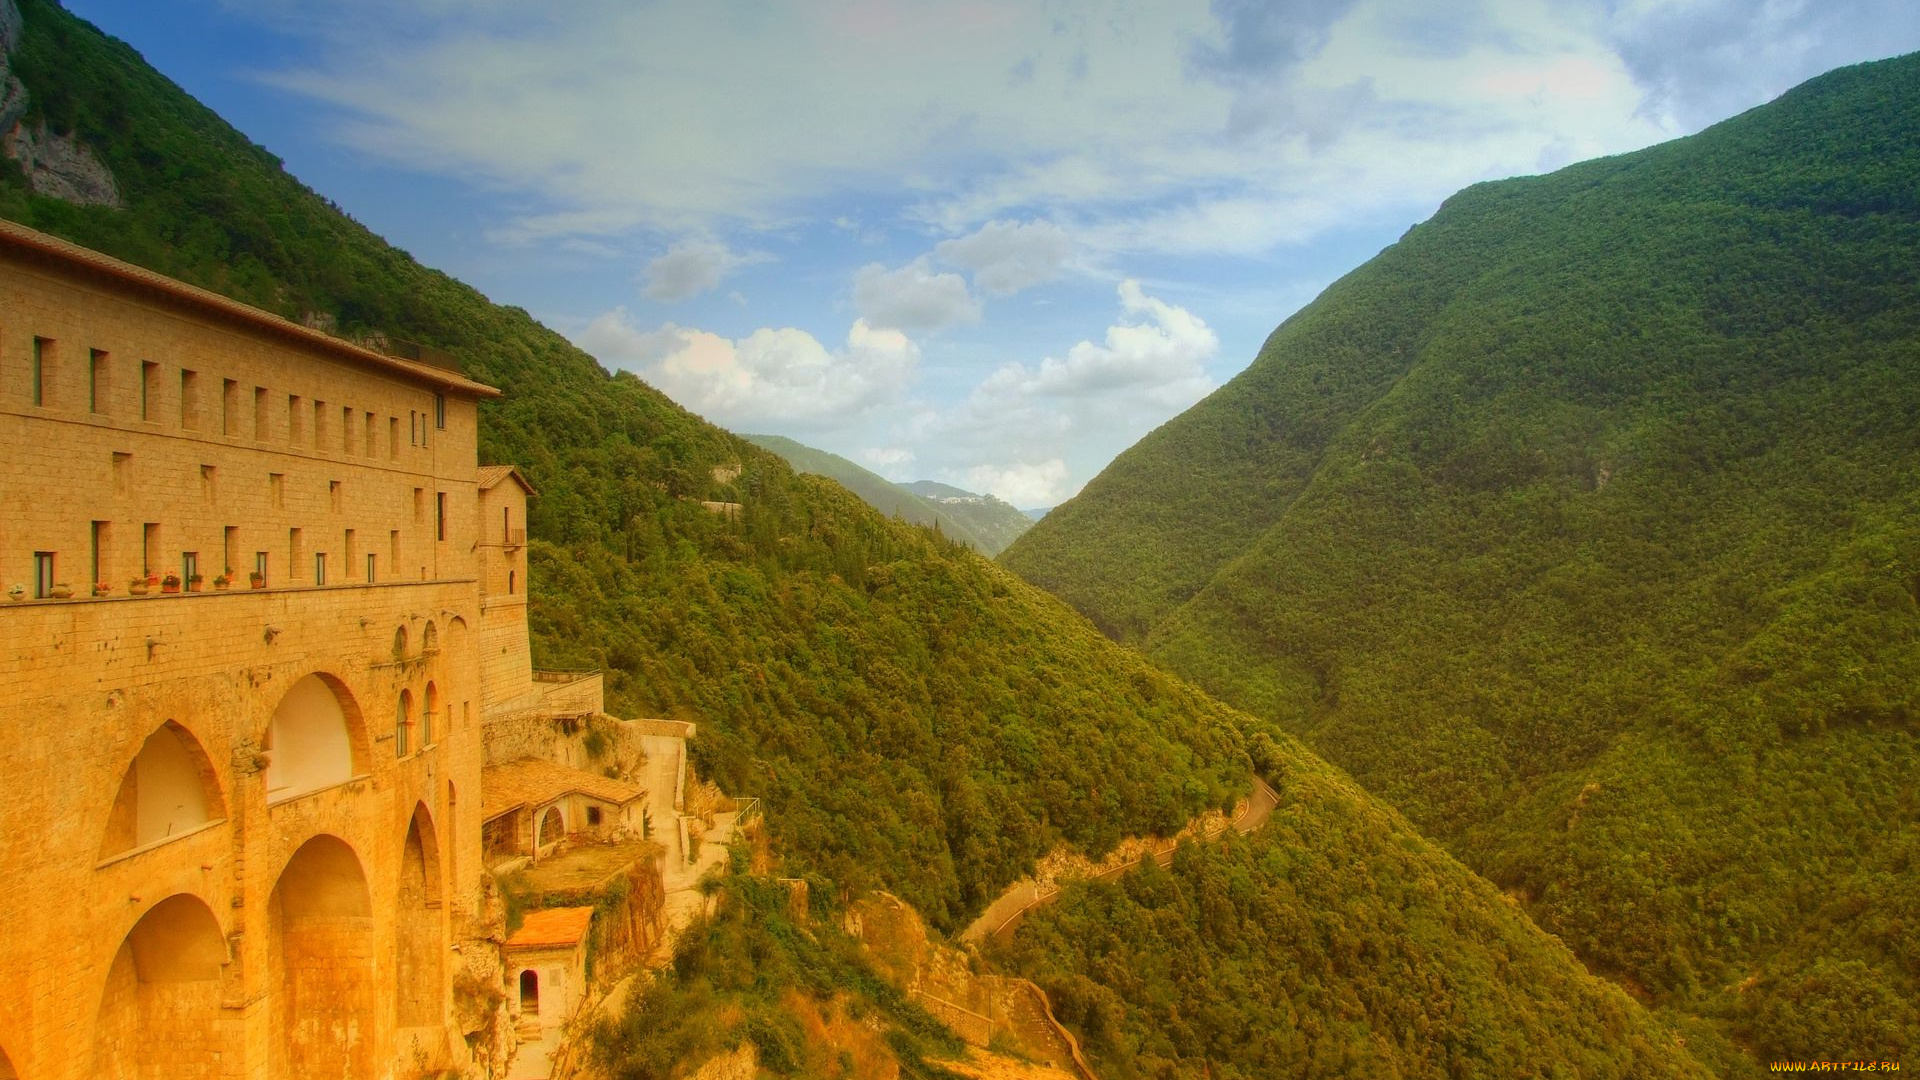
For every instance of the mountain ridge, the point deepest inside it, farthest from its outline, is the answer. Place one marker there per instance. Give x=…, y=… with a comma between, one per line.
x=1578, y=525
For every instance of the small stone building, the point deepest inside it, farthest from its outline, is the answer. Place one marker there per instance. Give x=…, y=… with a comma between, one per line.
x=546, y=965
x=531, y=806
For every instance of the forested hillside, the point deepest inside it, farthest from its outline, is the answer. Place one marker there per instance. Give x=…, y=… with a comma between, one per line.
x=1583, y=524
x=914, y=717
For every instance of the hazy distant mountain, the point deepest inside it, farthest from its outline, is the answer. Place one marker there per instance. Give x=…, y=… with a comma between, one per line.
x=982, y=522
x=1036, y=513
x=996, y=523
x=1583, y=524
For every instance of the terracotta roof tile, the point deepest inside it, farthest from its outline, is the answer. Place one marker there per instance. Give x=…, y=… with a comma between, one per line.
x=551, y=928
x=532, y=782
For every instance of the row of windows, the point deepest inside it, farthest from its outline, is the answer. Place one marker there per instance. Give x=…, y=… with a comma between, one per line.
x=309, y=421
x=337, y=565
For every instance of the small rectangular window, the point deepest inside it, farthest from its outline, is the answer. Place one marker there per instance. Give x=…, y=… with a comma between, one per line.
x=149, y=388
x=122, y=472
x=189, y=399
x=150, y=548
x=261, y=422
x=419, y=505
x=370, y=447
x=42, y=575
x=413, y=428
x=260, y=569
x=393, y=437
x=209, y=477
x=334, y=497
x=346, y=430
x=393, y=549
x=440, y=411
x=319, y=568
x=189, y=566
x=294, y=552
x=353, y=550
x=371, y=576
x=42, y=371
x=440, y=515
x=99, y=382
x=102, y=537
x=230, y=551
x=229, y=407
x=319, y=424
x=296, y=420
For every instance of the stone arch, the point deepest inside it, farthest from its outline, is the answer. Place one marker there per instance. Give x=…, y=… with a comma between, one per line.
x=163, y=990
x=169, y=789
x=399, y=643
x=403, y=724
x=322, y=975
x=529, y=992
x=553, y=827
x=429, y=639
x=417, y=948
x=315, y=740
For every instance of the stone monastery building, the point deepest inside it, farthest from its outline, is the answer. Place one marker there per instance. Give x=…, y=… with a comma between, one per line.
x=239, y=826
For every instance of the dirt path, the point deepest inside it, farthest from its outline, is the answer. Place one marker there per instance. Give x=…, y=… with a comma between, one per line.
x=1003, y=916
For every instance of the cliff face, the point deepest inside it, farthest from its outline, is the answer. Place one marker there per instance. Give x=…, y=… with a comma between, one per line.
x=56, y=164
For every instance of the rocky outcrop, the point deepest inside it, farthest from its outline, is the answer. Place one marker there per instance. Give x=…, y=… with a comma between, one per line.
x=56, y=165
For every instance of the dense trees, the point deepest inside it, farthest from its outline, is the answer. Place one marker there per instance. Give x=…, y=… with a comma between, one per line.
x=1580, y=524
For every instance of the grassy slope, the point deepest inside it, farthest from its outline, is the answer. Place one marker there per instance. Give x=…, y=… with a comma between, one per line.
x=916, y=718
x=1601, y=560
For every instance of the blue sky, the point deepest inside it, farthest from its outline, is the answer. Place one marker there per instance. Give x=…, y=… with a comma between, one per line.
x=987, y=242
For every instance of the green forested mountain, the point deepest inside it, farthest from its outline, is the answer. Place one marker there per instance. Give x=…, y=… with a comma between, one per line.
x=981, y=522
x=914, y=717
x=1583, y=524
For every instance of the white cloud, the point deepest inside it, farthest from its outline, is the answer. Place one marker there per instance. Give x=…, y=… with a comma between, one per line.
x=913, y=297
x=770, y=378
x=690, y=268
x=1020, y=425
x=1008, y=256
x=887, y=459
x=1026, y=484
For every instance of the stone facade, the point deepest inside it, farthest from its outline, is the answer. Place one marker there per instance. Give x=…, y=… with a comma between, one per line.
x=239, y=828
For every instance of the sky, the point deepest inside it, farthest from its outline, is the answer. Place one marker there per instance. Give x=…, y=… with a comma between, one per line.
x=986, y=242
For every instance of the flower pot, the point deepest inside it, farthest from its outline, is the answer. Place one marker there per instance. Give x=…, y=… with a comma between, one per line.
x=138, y=588
x=63, y=592
x=257, y=583
x=173, y=588
x=152, y=580
x=194, y=586
x=223, y=586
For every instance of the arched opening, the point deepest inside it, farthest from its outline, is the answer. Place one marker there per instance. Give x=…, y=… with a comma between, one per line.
x=428, y=714
x=553, y=827
x=168, y=790
x=417, y=965
x=530, y=992
x=510, y=582
x=399, y=644
x=429, y=640
x=402, y=724
x=322, y=979
x=163, y=990
x=312, y=740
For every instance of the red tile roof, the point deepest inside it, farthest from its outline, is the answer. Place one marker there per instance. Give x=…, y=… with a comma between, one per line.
x=552, y=928
x=531, y=782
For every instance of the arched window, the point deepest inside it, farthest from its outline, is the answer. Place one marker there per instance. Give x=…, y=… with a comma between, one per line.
x=399, y=643
x=168, y=790
x=430, y=639
x=310, y=741
x=427, y=716
x=553, y=827
x=402, y=720
x=510, y=582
